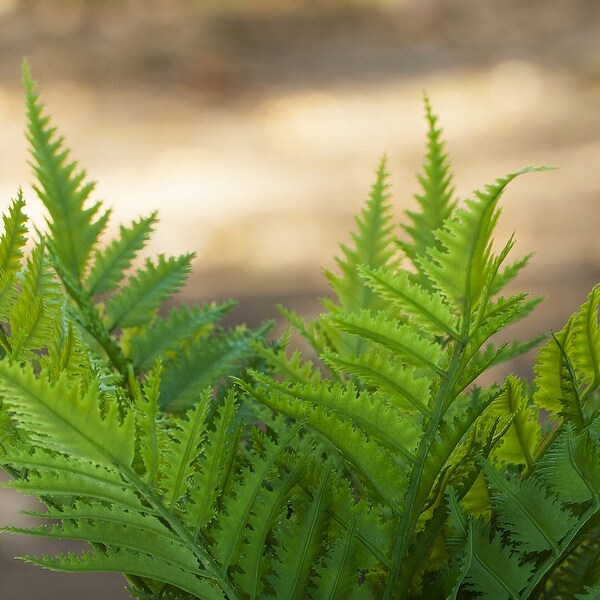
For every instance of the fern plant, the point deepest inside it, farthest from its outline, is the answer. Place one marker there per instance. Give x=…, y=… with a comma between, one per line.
x=208, y=463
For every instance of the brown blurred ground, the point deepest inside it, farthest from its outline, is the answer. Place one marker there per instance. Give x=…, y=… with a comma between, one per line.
x=254, y=127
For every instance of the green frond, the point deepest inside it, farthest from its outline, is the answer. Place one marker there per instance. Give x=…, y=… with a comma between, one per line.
x=11, y=252
x=206, y=363
x=270, y=503
x=531, y=513
x=62, y=188
x=494, y=571
x=14, y=237
x=185, y=440
x=590, y=593
x=244, y=495
x=436, y=198
x=337, y=572
x=373, y=247
x=580, y=570
x=62, y=479
x=111, y=263
x=36, y=307
x=66, y=351
x=459, y=266
x=584, y=347
x=426, y=310
x=219, y=450
x=300, y=540
x=379, y=369
x=137, y=302
x=572, y=467
x=394, y=429
x=294, y=368
x=172, y=334
x=519, y=441
x=151, y=434
x=113, y=559
x=372, y=528
x=508, y=274
x=114, y=526
x=548, y=368
x=65, y=419
x=373, y=463
x=400, y=338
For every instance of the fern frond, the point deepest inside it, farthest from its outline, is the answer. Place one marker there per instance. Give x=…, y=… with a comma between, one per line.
x=393, y=429
x=373, y=247
x=62, y=188
x=293, y=368
x=585, y=342
x=206, y=363
x=266, y=510
x=35, y=310
x=138, y=301
x=459, y=267
x=426, y=310
x=337, y=572
x=494, y=571
x=113, y=559
x=173, y=334
x=244, y=496
x=580, y=570
x=65, y=420
x=110, y=264
x=401, y=339
x=186, y=436
x=571, y=467
x=220, y=449
x=374, y=464
x=11, y=252
x=533, y=515
x=300, y=542
x=518, y=443
x=436, y=198
x=379, y=369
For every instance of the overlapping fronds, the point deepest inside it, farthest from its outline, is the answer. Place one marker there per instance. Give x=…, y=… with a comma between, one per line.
x=201, y=463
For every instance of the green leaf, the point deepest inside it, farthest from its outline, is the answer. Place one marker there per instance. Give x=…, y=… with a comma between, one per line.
x=111, y=559
x=402, y=339
x=373, y=463
x=436, y=198
x=426, y=310
x=494, y=571
x=62, y=188
x=534, y=516
x=110, y=264
x=185, y=440
x=139, y=300
x=205, y=364
x=219, y=453
x=458, y=267
x=36, y=308
x=172, y=335
x=11, y=252
x=64, y=418
x=300, y=542
x=519, y=441
x=372, y=248
x=238, y=509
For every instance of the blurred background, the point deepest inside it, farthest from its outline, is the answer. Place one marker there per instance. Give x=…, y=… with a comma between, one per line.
x=255, y=128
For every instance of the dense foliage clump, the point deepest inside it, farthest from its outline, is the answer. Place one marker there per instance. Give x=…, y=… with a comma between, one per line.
x=205, y=462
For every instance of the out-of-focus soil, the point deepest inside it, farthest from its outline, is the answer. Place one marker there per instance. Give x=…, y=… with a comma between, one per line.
x=254, y=128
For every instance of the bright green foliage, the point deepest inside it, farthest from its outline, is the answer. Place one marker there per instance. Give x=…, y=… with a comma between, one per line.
x=201, y=463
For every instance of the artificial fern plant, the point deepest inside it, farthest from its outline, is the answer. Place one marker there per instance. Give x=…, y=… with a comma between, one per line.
x=209, y=463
